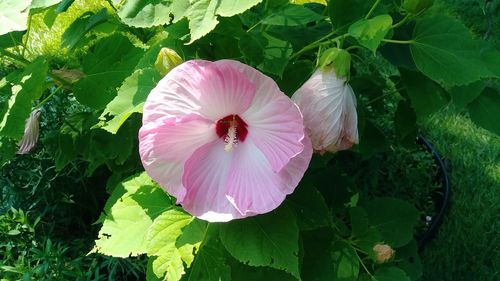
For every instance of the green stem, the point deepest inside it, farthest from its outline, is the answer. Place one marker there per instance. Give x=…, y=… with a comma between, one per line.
x=372, y=9
x=354, y=47
x=317, y=43
x=398, y=41
x=48, y=97
x=25, y=43
x=400, y=23
x=381, y=97
x=363, y=264
x=254, y=26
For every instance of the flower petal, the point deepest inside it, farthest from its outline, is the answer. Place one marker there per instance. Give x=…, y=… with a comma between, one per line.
x=205, y=176
x=274, y=122
x=166, y=144
x=200, y=87
x=254, y=188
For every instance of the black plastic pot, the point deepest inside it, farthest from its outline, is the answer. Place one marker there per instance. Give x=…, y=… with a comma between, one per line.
x=441, y=198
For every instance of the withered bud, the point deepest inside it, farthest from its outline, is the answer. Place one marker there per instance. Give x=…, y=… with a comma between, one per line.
x=31, y=133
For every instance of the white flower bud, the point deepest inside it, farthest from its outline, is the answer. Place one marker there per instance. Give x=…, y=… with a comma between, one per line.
x=31, y=132
x=328, y=105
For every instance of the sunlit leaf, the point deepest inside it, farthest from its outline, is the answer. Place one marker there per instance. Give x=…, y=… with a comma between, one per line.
x=13, y=15
x=370, y=32
x=266, y=240
x=27, y=87
x=291, y=15
x=129, y=212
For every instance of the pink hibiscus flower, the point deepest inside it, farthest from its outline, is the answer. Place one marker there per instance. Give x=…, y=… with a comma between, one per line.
x=223, y=139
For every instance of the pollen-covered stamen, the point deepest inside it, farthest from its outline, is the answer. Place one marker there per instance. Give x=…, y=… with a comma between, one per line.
x=232, y=129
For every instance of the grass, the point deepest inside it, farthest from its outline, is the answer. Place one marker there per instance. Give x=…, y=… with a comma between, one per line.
x=467, y=245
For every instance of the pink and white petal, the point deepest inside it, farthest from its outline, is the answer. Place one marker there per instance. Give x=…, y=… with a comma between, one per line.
x=165, y=145
x=274, y=122
x=205, y=176
x=321, y=101
x=254, y=188
x=200, y=87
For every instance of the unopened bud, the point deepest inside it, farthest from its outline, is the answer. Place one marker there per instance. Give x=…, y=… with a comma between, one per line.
x=328, y=105
x=31, y=132
x=166, y=60
x=338, y=59
x=416, y=6
x=383, y=253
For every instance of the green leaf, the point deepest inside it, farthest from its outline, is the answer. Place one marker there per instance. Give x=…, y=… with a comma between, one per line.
x=390, y=274
x=252, y=47
x=342, y=12
x=370, y=32
x=11, y=39
x=444, y=50
x=83, y=24
x=346, y=262
x=405, y=120
x=27, y=87
x=407, y=259
x=266, y=240
x=291, y=15
x=63, y=6
x=394, y=219
x=111, y=61
x=365, y=236
x=40, y=4
x=229, y=8
x=242, y=272
x=130, y=99
x=276, y=54
x=317, y=263
x=484, y=110
x=294, y=76
x=141, y=13
x=209, y=264
x=13, y=15
x=202, y=18
x=425, y=95
x=161, y=238
x=310, y=207
x=129, y=212
x=464, y=95
x=8, y=150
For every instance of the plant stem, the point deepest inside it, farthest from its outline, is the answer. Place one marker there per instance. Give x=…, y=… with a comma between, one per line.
x=363, y=264
x=398, y=41
x=372, y=9
x=400, y=23
x=48, y=97
x=317, y=43
x=25, y=43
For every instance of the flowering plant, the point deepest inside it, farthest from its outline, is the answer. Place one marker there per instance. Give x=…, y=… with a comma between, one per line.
x=223, y=125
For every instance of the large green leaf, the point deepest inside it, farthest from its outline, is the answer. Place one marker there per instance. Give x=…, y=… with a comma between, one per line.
x=229, y=8
x=131, y=97
x=161, y=238
x=129, y=212
x=111, y=61
x=394, y=219
x=266, y=240
x=83, y=24
x=484, y=110
x=464, y=95
x=209, y=264
x=310, y=207
x=202, y=18
x=443, y=49
x=370, y=32
x=390, y=274
x=346, y=262
x=242, y=272
x=426, y=96
x=343, y=13
x=11, y=39
x=39, y=4
x=27, y=87
x=146, y=13
x=291, y=15
x=13, y=15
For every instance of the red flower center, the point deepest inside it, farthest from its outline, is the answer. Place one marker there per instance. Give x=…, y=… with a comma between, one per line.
x=232, y=124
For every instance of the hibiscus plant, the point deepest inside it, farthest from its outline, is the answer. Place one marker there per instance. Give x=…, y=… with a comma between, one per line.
x=221, y=123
